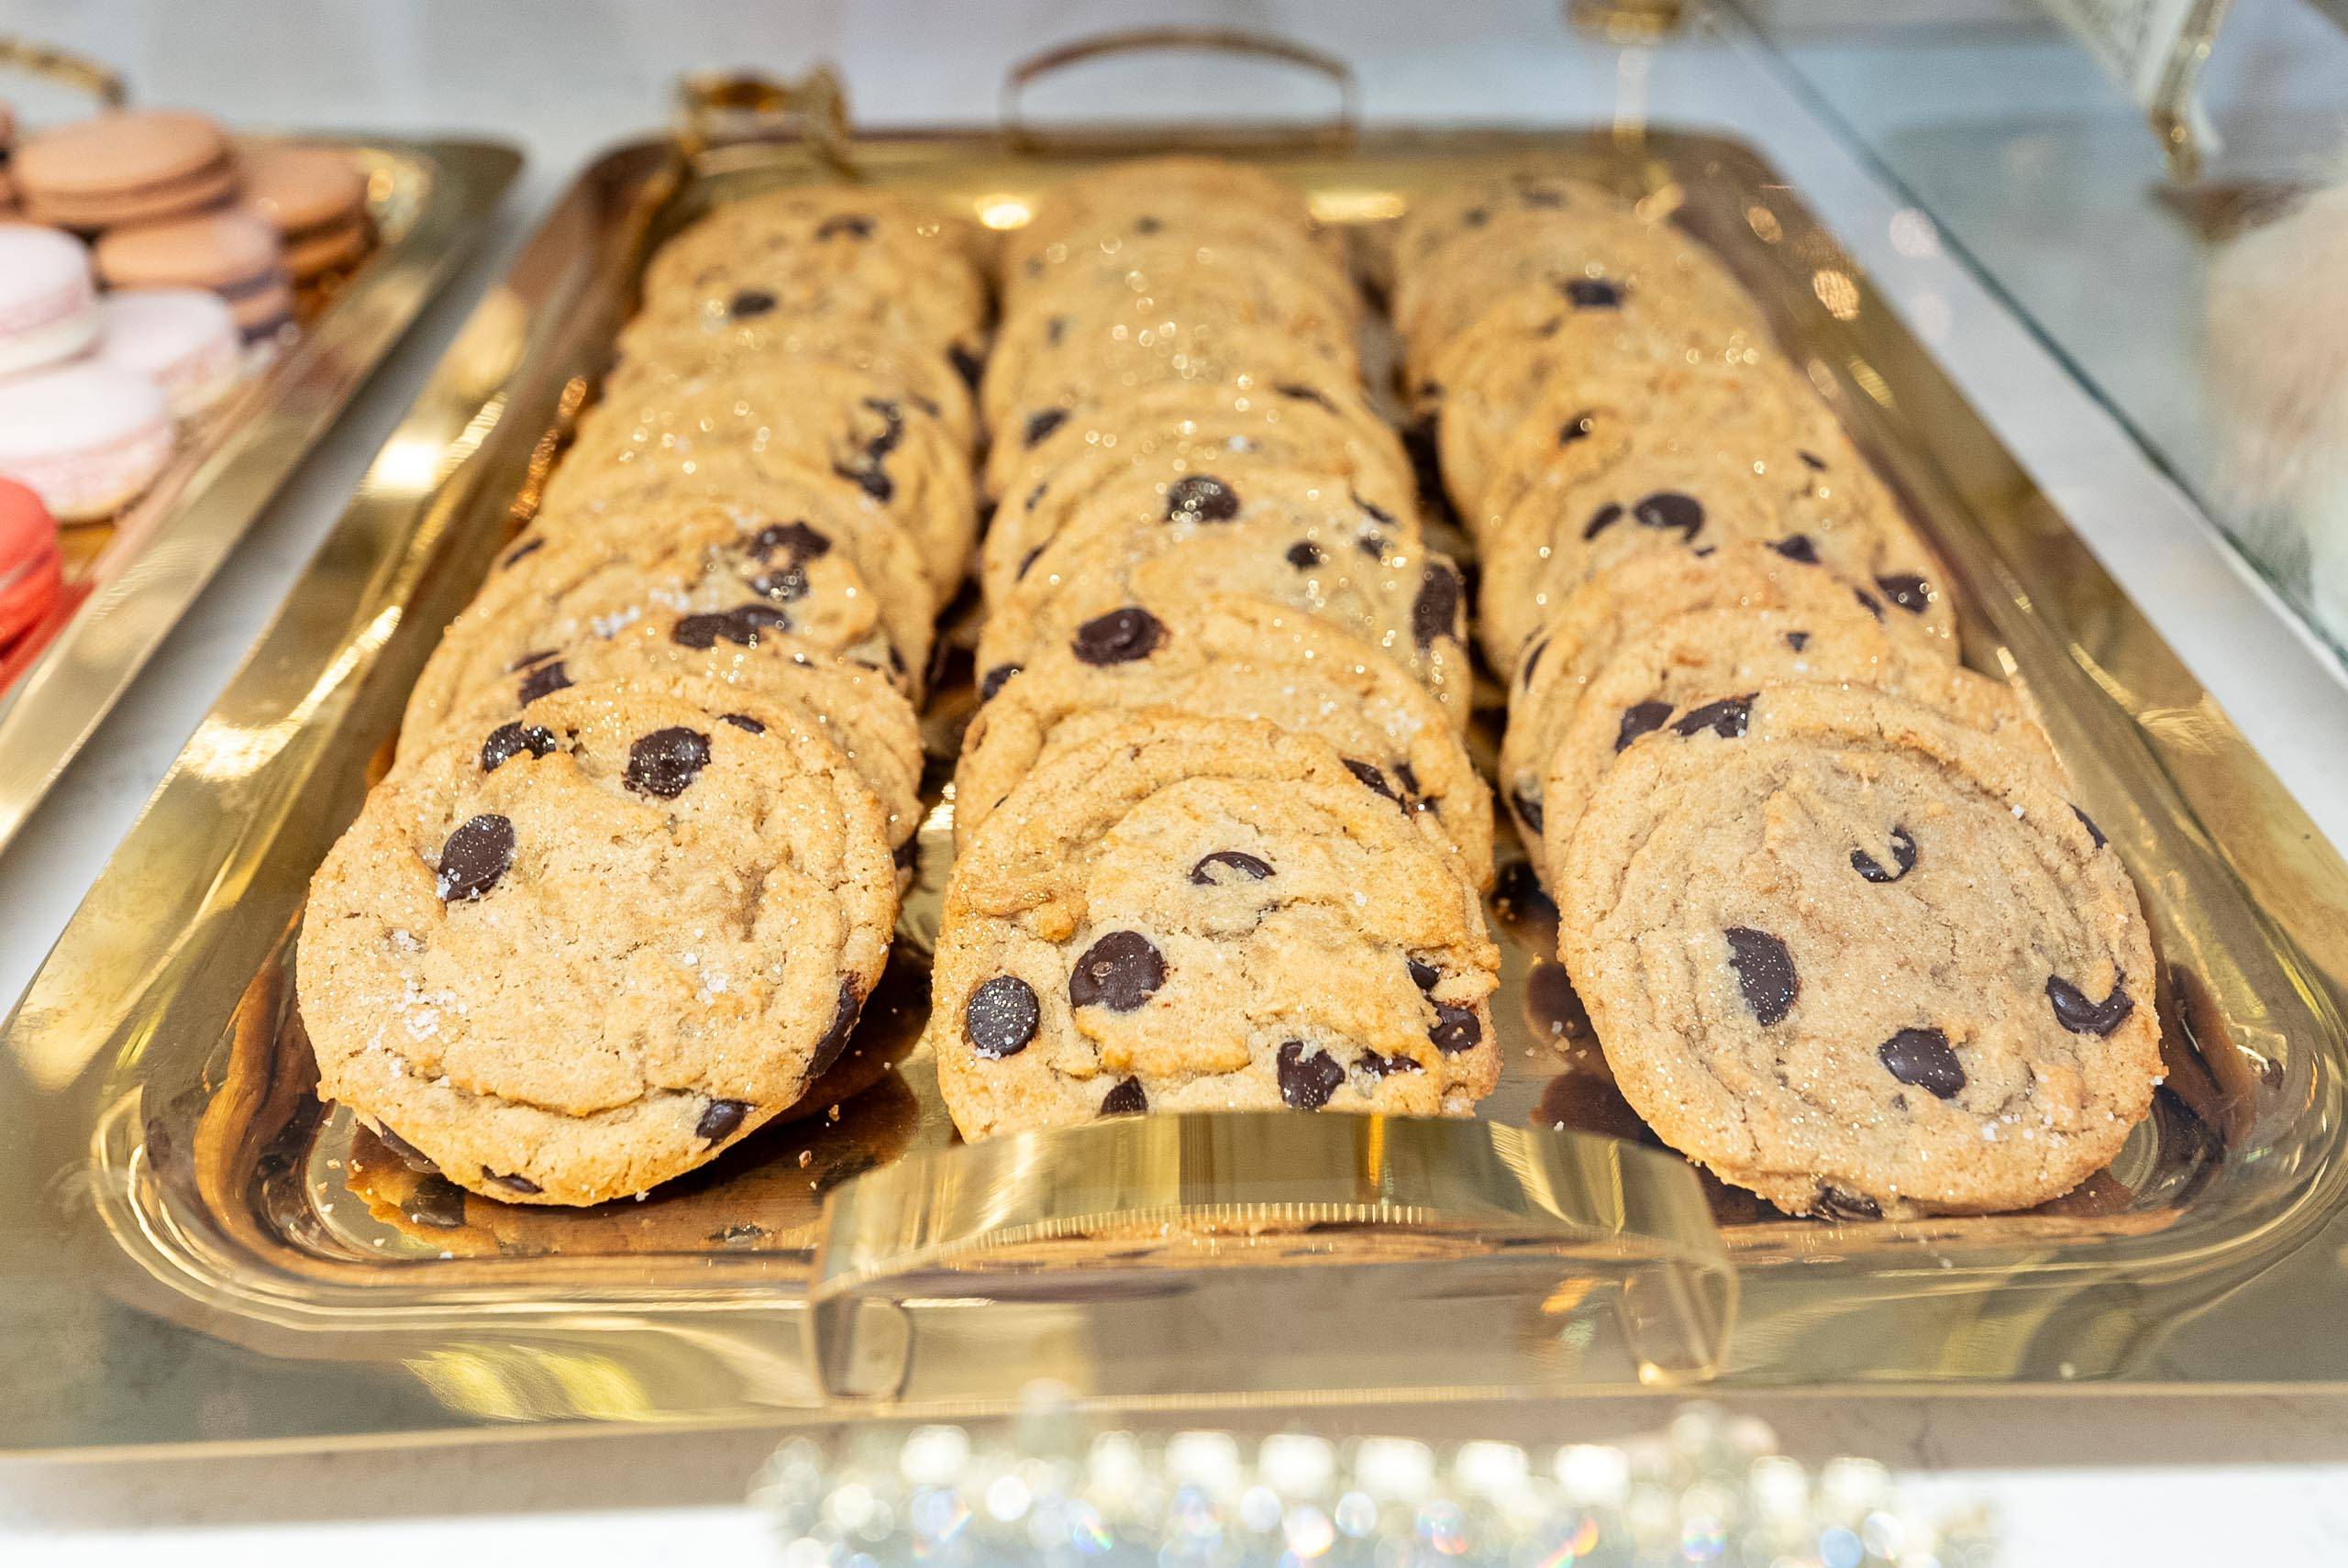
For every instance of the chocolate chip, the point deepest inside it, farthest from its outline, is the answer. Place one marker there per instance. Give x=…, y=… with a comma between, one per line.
x=508, y=741
x=993, y=680
x=1119, y=972
x=522, y=551
x=1027, y=561
x=1605, y=517
x=666, y=762
x=1670, y=510
x=1435, y=611
x=785, y=587
x=1765, y=972
x=750, y=303
x=800, y=541
x=2088, y=823
x=1594, y=293
x=872, y=481
x=1924, y=1057
x=1457, y=1029
x=543, y=681
x=1127, y=1099
x=1424, y=974
x=1380, y=1067
x=1639, y=719
x=1305, y=555
x=1373, y=777
x=1000, y=1017
x=1371, y=543
x=1119, y=637
x=1817, y=463
x=827, y=1050
x=1907, y=590
x=1307, y=1082
x=851, y=224
x=1903, y=856
x=2080, y=1016
x=474, y=857
x=1042, y=424
x=1725, y=718
x=438, y=1202
x=1409, y=775
x=1305, y=394
x=1527, y=806
x=707, y=630
x=1419, y=445
x=520, y=1183
x=719, y=1118
x=1371, y=507
x=1203, y=873
x=1201, y=498
x=409, y=1154
x=1869, y=603
x=966, y=364
x=742, y=722
x=1796, y=547
x=1580, y=426
x=1834, y=1203
x=1532, y=662
x=1796, y=640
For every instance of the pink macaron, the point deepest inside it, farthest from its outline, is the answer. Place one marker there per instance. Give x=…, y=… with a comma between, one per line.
x=49, y=306
x=88, y=439
x=32, y=572
x=184, y=340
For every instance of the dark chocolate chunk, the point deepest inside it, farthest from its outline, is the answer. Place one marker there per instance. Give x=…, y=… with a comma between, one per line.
x=666, y=762
x=1903, y=859
x=474, y=857
x=1380, y=1067
x=1119, y=972
x=2075, y=1012
x=1246, y=865
x=1924, y=1057
x=409, y=1154
x=1201, y=498
x=1457, y=1029
x=1371, y=543
x=1307, y=1081
x=873, y=482
x=827, y=1050
x=520, y=1183
x=1725, y=718
x=1834, y=1203
x=1028, y=560
x=1532, y=662
x=742, y=722
x=1907, y=590
x=1594, y=293
x=1409, y=775
x=546, y=680
x=2088, y=823
x=1641, y=718
x=1816, y=463
x=750, y=303
x=992, y=681
x=1042, y=424
x=1576, y=428
x=1370, y=776
x=1796, y=640
x=1869, y=603
x=1000, y=1017
x=438, y=1202
x=1127, y=1099
x=1435, y=611
x=740, y=625
x=800, y=541
x=1605, y=517
x=508, y=741
x=1424, y=974
x=1305, y=555
x=785, y=587
x=719, y=1118
x=1670, y=510
x=1765, y=972
x=966, y=364
x=527, y=548
x=1796, y=547
x=1120, y=636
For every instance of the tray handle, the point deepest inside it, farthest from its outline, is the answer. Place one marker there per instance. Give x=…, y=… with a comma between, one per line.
x=724, y=108
x=1116, y=1236
x=1024, y=135
x=79, y=72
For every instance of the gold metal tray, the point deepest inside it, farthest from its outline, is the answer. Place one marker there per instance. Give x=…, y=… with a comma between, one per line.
x=192, y=1250
x=128, y=580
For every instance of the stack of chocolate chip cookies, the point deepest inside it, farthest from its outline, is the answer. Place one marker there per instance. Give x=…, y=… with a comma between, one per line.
x=1844, y=936
x=636, y=865
x=1220, y=841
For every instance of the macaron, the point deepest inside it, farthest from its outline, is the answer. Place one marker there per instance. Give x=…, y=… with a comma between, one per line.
x=233, y=254
x=184, y=340
x=127, y=166
x=315, y=197
x=32, y=570
x=49, y=306
x=86, y=437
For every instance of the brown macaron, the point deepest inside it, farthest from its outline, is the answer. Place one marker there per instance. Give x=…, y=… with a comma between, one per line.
x=233, y=254
x=127, y=166
x=315, y=197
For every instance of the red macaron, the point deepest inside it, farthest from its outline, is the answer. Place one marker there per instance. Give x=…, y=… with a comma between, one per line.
x=32, y=572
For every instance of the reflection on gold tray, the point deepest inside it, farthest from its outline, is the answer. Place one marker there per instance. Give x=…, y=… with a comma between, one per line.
x=130, y=579
x=224, y=1261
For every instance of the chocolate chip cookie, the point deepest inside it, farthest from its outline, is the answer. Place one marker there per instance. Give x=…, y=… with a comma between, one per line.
x=575, y=954
x=1227, y=656
x=1196, y=914
x=721, y=577
x=1861, y=959
x=1331, y=558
